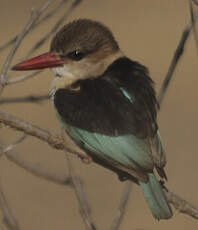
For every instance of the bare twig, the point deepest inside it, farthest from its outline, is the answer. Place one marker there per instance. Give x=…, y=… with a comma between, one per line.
x=122, y=208
x=13, y=145
x=47, y=36
x=6, y=65
x=45, y=18
x=59, y=178
x=195, y=2
x=22, y=78
x=35, y=169
x=31, y=99
x=34, y=16
x=9, y=220
x=39, y=171
x=178, y=53
x=33, y=130
x=193, y=21
x=181, y=205
x=81, y=197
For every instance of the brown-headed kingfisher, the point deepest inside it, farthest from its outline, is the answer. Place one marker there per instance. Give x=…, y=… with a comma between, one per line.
x=107, y=104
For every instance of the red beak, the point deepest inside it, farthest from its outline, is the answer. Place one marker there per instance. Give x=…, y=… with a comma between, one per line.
x=47, y=60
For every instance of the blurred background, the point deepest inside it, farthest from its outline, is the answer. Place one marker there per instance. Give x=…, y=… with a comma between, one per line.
x=148, y=32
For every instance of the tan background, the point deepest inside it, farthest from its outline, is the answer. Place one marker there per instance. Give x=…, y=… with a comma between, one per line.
x=147, y=31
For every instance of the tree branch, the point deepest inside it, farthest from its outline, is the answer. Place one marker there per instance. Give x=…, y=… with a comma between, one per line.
x=58, y=143
x=31, y=99
x=33, y=130
x=181, y=205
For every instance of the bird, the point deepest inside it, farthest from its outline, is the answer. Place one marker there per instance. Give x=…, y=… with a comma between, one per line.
x=106, y=103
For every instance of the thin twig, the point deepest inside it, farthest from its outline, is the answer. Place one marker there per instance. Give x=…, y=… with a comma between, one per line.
x=6, y=65
x=84, y=207
x=196, y=2
x=53, y=30
x=45, y=18
x=13, y=145
x=193, y=19
x=22, y=78
x=8, y=218
x=31, y=99
x=34, y=17
x=61, y=178
x=44, y=135
x=177, y=55
x=122, y=208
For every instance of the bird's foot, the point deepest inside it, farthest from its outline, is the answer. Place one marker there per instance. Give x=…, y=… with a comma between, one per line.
x=162, y=183
x=86, y=160
x=122, y=177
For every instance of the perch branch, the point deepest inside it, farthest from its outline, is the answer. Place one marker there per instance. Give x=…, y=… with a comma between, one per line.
x=58, y=143
x=33, y=130
x=182, y=205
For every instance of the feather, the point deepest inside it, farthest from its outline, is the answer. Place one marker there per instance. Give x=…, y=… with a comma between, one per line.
x=156, y=198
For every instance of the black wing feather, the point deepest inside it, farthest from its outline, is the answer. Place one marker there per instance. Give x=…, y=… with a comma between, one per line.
x=100, y=105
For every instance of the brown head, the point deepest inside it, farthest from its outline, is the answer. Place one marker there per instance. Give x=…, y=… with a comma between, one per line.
x=80, y=50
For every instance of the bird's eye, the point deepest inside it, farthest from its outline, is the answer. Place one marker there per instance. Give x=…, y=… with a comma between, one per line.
x=76, y=55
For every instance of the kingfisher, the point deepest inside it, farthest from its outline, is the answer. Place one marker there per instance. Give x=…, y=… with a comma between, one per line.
x=107, y=104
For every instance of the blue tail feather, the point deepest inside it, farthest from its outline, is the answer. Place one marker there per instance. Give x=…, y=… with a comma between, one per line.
x=156, y=198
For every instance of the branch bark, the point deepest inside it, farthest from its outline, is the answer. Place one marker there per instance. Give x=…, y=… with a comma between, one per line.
x=182, y=205
x=33, y=130
x=30, y=98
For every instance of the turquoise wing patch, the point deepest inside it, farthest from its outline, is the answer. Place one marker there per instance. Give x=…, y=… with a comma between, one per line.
x=127, y=149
